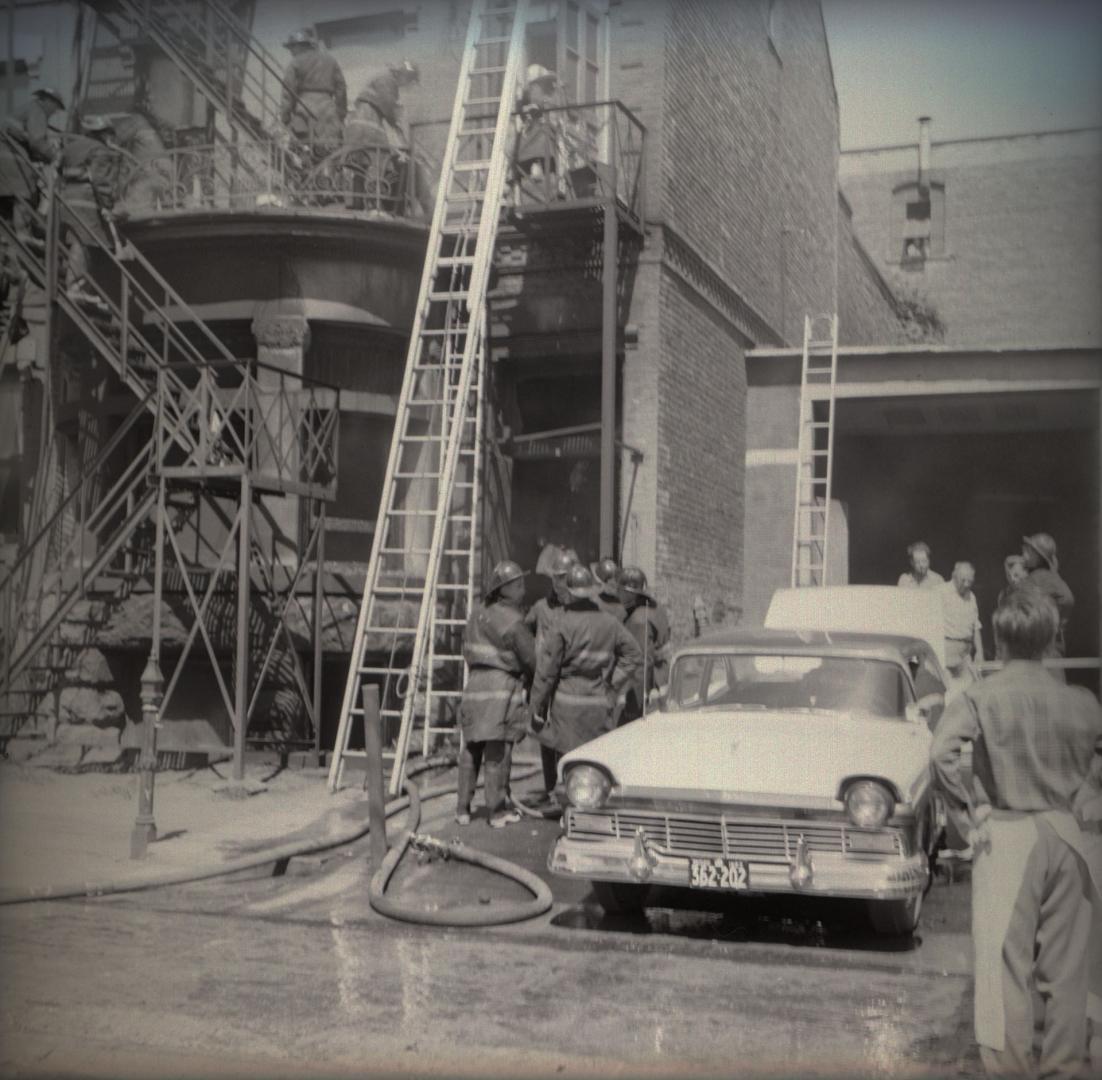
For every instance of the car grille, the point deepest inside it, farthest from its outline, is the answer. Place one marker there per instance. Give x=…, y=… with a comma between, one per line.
x=754, y=839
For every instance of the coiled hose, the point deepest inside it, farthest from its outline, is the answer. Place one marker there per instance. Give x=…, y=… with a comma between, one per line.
x=469, y=915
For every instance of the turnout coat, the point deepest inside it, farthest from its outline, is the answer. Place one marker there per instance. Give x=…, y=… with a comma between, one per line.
x=30, y=128
x=585, y=659
x=89, y=172
x=315, y=101
x=501, y=655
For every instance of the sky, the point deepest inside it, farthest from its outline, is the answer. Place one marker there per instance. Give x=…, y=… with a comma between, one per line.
x=976, y=67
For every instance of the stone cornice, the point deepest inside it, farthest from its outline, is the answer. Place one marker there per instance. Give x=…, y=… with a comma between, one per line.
x=281, y=331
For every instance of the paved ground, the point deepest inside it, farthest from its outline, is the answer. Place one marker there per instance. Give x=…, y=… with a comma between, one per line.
x=295, y=974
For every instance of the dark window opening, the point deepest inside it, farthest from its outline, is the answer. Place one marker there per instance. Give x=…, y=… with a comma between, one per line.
x=918, y=226
x=386, y=28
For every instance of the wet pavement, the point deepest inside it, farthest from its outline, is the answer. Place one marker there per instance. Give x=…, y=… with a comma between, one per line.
x=82, y=989
x=295, y=974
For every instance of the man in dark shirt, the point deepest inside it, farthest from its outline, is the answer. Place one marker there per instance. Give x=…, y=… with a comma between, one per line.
x=1039, y=554
x=315, y=96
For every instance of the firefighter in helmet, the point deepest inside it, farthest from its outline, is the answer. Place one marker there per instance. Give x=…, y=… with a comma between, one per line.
x=649, y=624
x=607, y=573
x=585, y=661
x=501, y=654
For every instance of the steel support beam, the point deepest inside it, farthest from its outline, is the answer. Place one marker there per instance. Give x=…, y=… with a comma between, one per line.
x=609, y=336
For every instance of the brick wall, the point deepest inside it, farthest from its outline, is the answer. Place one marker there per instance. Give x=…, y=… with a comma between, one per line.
x=748, y=153
x=701, y=450
x=1023, y=234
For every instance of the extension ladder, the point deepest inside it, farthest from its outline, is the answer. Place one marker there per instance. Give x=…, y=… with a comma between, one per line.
x=418, y=591
x=818, y=379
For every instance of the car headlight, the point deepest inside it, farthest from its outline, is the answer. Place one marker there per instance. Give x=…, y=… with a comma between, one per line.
x=587, y=787
x=869, y=804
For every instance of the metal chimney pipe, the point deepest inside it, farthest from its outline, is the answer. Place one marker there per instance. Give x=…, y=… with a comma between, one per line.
x=923, y=151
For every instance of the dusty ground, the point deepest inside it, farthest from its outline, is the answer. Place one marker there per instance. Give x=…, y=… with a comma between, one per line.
x=57, y=827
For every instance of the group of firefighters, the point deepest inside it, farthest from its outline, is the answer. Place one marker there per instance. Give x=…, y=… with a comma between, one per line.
x=586, y=658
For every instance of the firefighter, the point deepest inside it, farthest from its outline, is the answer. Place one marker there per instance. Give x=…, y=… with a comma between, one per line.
x=649, y=625
x=607, y=574
x=585, y=660
x=30, y=128
x=382, y=169
x=89, y=174
x=539, y=620
x=315, y=96
x=501, y=655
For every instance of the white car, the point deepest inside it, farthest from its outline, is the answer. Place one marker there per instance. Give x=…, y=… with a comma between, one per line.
x=782, y=761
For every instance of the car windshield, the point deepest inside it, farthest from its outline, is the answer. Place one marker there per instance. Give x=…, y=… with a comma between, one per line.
x=772, y=681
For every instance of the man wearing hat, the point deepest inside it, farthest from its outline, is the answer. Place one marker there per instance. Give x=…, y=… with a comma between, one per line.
x=607, y=573
x=30, y=128
x=541, y=617
x=539, y=140
x=377, y=121
x=649, y=624
x=315, y=97
x=501, y=655
x=89, y=174
x=582, y=665
x=1039, y=554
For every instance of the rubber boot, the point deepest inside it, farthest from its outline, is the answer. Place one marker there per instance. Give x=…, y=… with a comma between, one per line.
x=494, y=789
x=465, y=785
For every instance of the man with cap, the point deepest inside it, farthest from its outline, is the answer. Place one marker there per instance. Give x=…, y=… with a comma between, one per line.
x=501, y=655
x=89, y=174
x=649, y=624
x=30, y=128
x=583, y=663
x=538, y=142
x=540, y=619
x=315, y=97
x=607, y=574
x=377, y=125
x=1039, y=554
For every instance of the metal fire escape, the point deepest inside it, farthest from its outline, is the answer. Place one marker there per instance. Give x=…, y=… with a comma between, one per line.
x=420, y=580
x=818, y=378
x=217, y=52
x=210, y=436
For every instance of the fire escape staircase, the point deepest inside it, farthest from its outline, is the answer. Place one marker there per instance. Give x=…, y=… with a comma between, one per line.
x=239, y=79
x=420, y=580
x=204, y=420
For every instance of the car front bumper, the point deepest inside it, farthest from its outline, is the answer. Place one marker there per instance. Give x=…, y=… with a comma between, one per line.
x=890, y=878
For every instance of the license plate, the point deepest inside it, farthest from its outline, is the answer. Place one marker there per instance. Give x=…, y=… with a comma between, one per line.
x=719, y=874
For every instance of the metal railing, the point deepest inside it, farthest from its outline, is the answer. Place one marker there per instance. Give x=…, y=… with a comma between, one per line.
x=230, y=68
x=93, y=530
x=275, y=426
x=274, y=174
x=592, y=153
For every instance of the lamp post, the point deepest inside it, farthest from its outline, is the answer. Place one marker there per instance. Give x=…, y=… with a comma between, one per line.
x=145, y=828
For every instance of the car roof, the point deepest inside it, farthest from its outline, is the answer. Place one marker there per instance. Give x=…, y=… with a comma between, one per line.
x=833, y=642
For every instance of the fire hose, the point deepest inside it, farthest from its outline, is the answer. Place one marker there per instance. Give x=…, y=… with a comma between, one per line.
x=469, y=915
x=284, y=852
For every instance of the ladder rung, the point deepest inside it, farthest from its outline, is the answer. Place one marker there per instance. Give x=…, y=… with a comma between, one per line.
x=396, y=630
x=450, y=622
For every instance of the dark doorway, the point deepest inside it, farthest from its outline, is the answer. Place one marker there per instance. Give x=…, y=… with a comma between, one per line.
x=972, y=495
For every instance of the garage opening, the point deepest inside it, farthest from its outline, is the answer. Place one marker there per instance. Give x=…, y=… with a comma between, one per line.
x=970, y=475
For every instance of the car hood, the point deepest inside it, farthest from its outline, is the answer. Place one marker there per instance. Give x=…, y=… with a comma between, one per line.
x=732, y=755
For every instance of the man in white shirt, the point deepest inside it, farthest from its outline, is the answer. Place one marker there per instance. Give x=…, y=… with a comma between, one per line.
x=920, y=576
x=963, y=643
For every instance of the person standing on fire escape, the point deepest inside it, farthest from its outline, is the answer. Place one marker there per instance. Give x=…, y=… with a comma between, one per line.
x=315, y=97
